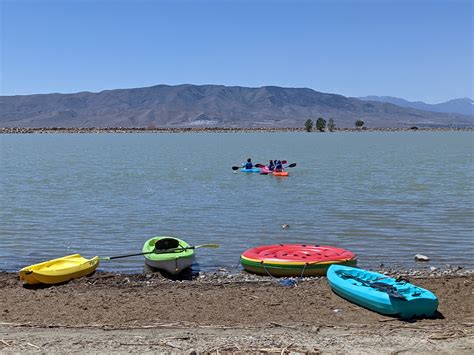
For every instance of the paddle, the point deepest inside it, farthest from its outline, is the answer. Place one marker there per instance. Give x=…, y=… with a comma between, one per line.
x=158, y=250
x=129, y=255
x=160, y=245
x=193, y=247
x=263, y=165
x=241, y=167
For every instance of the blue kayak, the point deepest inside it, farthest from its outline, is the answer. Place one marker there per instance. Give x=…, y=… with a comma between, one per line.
x=253, y=170
x=381, y=293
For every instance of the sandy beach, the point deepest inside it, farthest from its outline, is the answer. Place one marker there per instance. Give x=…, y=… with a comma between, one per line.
x=223, y=313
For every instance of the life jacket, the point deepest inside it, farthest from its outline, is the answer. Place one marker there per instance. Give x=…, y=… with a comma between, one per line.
x=248, y=165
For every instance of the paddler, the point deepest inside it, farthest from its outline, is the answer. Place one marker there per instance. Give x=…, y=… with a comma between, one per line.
x=248, y=164
x=271, y=166
x=278, y=166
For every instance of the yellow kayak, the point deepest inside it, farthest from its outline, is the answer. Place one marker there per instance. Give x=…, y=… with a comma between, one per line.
x=59, y=270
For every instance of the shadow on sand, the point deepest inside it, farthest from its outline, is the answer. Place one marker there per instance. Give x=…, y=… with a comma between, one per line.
x=188, y=274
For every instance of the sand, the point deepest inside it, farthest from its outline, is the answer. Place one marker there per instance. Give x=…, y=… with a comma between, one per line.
x=223, y=313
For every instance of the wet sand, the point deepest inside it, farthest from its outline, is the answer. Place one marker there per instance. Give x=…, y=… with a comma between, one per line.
x=222, y=313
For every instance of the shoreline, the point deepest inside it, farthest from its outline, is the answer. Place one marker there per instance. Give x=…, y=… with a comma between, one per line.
x=26, y=130
x=223, y=312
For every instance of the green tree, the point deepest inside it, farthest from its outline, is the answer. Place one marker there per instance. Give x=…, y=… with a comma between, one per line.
x=320, y=124
x=359, y=123
x=308, y=125
x=331, y=125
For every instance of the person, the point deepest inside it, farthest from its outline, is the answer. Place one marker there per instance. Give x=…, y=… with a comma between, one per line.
x=271, y=166
x=278, y=166
x=248, y=164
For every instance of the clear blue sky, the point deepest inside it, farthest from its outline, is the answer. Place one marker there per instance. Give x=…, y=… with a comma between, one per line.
x=417, y=50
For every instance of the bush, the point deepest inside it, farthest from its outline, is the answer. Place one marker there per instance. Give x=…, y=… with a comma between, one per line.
x=308, y=125
x=320, y=124
x=359, y=123
x=331, y=125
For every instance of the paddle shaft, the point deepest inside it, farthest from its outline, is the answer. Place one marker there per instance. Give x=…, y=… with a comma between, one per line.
x=126, y=256
x=242, y=167
x=263, y=165
x=159, y=251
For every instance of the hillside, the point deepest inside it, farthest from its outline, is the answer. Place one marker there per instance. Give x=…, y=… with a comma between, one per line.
x=463, y=106
x=209, y=105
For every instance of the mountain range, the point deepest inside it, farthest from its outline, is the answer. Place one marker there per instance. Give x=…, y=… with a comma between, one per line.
x=210, y=106
x=464, y=106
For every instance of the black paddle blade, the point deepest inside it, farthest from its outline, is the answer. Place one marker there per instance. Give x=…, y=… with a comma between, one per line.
x=292, y=165
x=166, y=243
x=235, y=168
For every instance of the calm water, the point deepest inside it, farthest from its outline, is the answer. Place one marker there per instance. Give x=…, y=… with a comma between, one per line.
x=385, y=196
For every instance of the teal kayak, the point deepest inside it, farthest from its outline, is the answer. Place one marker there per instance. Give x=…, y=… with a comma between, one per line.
x=381, y=293
x=253, y=170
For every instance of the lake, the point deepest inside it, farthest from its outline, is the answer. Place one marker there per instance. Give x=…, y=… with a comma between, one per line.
x=384, y=195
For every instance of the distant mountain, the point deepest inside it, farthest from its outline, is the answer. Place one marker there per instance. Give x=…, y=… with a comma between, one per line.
x=209, y=106
x=462, y=106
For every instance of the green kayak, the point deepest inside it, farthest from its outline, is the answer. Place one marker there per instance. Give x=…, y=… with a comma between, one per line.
x=173, y=260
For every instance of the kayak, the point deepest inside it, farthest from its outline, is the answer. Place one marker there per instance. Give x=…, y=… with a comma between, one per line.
x=173, y=261
x=381, y=293
x=294, y=259
x=253, y=170
x=266, y=171
x=59, y=270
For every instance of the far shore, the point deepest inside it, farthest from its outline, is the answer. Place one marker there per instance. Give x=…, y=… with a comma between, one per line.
x=27, y=130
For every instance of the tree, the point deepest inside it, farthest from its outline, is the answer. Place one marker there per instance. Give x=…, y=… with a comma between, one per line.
x=359, y=123
x=320, y=124
x=331, y=125
x=308, y=125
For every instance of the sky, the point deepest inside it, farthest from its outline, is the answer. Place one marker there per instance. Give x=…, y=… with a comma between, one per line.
x=413, y=49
